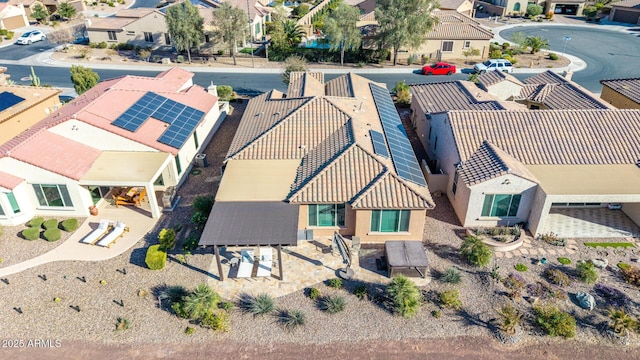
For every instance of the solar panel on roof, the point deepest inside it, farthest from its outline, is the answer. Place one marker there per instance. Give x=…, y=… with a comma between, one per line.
x=404, y=159
x=8, y=99
x=379, y=146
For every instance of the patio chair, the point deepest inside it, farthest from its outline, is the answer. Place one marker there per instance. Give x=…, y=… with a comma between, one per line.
x=246, y=263
x=100, y=231
x=121, y=200
x=111, y=237
x=266, y=261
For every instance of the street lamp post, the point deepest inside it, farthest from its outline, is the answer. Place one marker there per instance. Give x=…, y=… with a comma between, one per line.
x=250, y=35
x=566, y=40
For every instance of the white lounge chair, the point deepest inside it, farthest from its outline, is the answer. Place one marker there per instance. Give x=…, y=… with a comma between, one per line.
x=266, y=261
x=95, y=235
x=246, y=263
x=111, y=237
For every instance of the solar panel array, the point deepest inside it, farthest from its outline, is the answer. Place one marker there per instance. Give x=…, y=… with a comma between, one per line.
x=182, y=119
x=379, y=145
x=404, y=159
x=8, y=99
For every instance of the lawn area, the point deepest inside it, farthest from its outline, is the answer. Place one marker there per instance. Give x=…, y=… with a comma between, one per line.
x=610, y=244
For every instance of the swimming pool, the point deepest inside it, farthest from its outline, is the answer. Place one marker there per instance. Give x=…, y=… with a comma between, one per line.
x=317, y=44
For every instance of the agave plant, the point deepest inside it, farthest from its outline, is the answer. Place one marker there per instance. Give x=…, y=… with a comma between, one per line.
x=620, y=322
x=291, y=319
x=259, y=305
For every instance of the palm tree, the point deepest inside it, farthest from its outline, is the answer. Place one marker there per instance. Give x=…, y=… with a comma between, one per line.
x=620, y=322
x=200, y=301
x=406, y=295
x=475, y=251
x=536, y=43
x=292, y=32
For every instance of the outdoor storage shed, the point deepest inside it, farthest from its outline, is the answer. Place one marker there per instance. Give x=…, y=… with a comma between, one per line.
x=408, y=258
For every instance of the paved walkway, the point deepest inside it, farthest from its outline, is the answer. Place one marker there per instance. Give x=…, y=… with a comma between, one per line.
x=529, y=247
x=597, y=222
x=138, y=220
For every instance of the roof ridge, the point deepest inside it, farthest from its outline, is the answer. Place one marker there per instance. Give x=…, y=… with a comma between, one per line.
x=491, y=147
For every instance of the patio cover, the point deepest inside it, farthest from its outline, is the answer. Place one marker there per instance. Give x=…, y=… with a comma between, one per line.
x=251, y=224
x=113, y=168
x=404, y=257
x=611, y=179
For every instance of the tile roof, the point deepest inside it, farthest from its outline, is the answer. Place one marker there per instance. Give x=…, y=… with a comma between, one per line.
x=9, y=181
x=390, y=191
x=547, y=77
x=451, y=4
x=453, y=95
x=629, y=88
x=136, y=13
x=31, y=95
x=551, y=137
x=627, y=3
x=559, y=93
x=109, y=23
x=495, y=77
x=454, y=25
x=306, y=84
x=330, y=136
x=489, y=162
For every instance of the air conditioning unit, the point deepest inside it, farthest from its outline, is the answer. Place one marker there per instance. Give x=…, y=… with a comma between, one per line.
x=168, y=197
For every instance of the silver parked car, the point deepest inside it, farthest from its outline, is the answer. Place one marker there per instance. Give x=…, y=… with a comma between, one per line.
x=31, y=37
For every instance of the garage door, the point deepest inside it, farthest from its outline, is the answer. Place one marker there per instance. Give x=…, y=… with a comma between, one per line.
x=624, y=16
x=15, y=22
x=566, y=9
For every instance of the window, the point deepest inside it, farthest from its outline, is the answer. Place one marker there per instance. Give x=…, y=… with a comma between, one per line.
x=1, y=211
x=178, y=166
x=501, y=205
x=326, y=215
x=454, y=188
x=467, y=44
x=430, y=128
x=516, y=7
x=390, y=220
x=159, y=181
x=435, y=144
x=447, y=46
x=98, y=192
x=167, y=39
x=13, y=202
x=257, y=29
x=52, y=195
x=112, y=35
x=148, y=37
x=195, y=139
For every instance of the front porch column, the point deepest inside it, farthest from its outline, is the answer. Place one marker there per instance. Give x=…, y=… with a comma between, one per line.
x=153, y=200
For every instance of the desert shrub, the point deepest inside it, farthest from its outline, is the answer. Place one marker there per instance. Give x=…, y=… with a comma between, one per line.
x=515, y=283
x=36, y=222
x=545, y=291
x=450, y=299
x=587, y=272
x=553, y=239
x=510, y=318
x=102, y=45
x=217, y=320
x=173, y=294
x=189, y=330
x=555, y=322
x=156, y=259
x=225, y=92
x=406, y=296
x=314, y=293
x=202, y=206
x=180, y=59
x=631, y=275
x=69, y=225
x=335, y=283
x=495, y=54
x=291, y=319
x=564, y=260
x=50, y=224
x=436, y=314
x=202, y=300
x=259, y=305
x=361, y=292
x=122, y=324
x=620, y=322
x=124, y=46
x=553, y=56
x=521, y=267
x=52, y=235
x=199, y=219
x=332, y=304
x=32, y=233
x=226, y=305
x=620, y=265
x=557, y=277
x=475, y=251
x=179, y=310
x=167, y=239
x=451, y=276
x=190, y=243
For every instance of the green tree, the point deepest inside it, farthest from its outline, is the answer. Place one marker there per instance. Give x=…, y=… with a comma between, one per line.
x=301, y=11
x=475, y=251
x=40, y=12
x=341, y=29
x=66, y=10
x=406, y=296
x=83, y=78
x=534, y=10
x=184, y=25
x=167, y=239
x=404, y=23
x=230, y=23
x=535, y=43
x=279, y=14
x=200, y=301
x=292, y=64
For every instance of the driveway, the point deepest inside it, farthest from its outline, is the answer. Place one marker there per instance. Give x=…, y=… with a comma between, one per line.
x=608, y=54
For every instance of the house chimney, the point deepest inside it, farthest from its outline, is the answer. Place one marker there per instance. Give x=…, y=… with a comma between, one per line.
x=567, y=74
x=212, y=89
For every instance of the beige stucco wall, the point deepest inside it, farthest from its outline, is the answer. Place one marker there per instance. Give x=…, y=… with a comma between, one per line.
x=432, y=47
x=25, y=119
x=618, y=100
x=134, y=33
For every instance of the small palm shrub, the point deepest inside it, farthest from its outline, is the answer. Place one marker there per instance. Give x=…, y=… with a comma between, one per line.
x=475, y=251
x=521, y=267
x=451, y=276
x=52, y=235
x=216, y=320
x=620, y=322
x=69, y=225
x=174, y=294
x=314, y=293
x=450, y=299
x=510, y=318
x=555, y=322
x=31, y=233
x=50, y=224
x=332, y=304
x=406, y=296
x=36, y=222
x=155, y=259
x=291, y=319
x=557, y=277
x=335, y=283
x=361, y=292
x=259, y=305
x=122, y=324
x=631, y=275
x=202, y=300
x=178, y=309
x=587, y=272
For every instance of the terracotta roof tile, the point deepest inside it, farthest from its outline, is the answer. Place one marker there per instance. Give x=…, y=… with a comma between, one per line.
x=489, y=162
x=303, y=84
x=9, y=181
x=559, y=93
x=454, y=25
x=340, y=86
x=547, y=77
x=629, y=88
x=391, y=192
x=453, y=95
x=494, y=77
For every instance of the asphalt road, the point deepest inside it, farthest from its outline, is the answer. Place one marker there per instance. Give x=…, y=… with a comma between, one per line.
x=608, y=54
x=18, y=52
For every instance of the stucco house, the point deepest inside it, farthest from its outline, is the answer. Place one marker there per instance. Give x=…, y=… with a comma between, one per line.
x=24, y=106
x=462, y=6
x=328, y=156
x=627, y=11
x=12, y=16
x=519, y=7
x=145, y=27
x=621, y=93
x=130, y=131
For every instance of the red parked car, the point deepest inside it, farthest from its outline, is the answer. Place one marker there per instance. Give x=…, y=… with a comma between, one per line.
x=441, y=68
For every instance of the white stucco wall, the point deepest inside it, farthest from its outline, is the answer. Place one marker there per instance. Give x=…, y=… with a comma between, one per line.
x=21, y=193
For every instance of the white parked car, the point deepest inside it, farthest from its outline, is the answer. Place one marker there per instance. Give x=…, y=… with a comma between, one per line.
x=31, y=37
x=493, y=65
